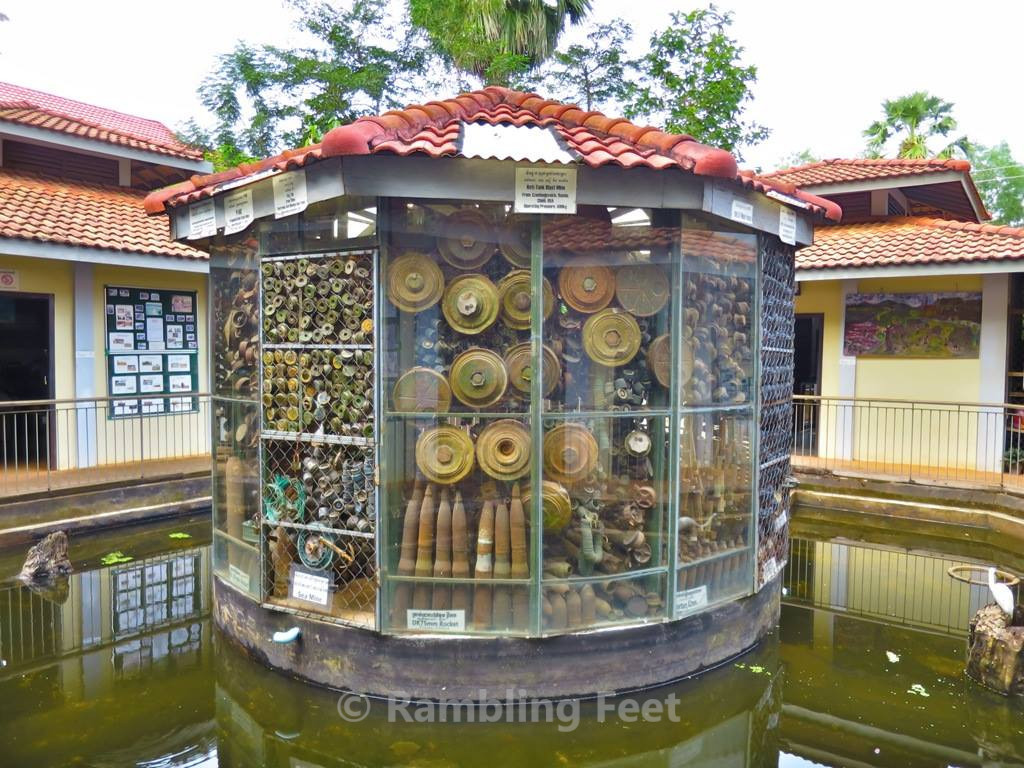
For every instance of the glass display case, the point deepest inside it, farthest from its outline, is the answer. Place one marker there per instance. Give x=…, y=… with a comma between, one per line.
x=438, y=416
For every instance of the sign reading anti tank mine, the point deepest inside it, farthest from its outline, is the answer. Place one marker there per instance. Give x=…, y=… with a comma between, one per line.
x=545, y=190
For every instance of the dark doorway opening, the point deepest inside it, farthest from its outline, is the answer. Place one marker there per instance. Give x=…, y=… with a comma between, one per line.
x=809, y=331
x=26, y=373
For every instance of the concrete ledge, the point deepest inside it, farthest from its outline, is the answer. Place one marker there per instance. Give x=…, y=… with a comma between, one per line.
x=566, y=666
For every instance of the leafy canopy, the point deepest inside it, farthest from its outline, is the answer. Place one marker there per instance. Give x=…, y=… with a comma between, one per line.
x=1000, y=180
x=691, y=81
x=495, y=39
x=912, y=121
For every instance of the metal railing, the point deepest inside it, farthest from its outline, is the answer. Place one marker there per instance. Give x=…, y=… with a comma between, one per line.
x=47, y=445
x=930, y=442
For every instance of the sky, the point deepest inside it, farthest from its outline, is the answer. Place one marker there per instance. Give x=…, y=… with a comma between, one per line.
x=823, y=67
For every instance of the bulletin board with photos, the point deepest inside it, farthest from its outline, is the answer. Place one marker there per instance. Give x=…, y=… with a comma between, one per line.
x=152, y=345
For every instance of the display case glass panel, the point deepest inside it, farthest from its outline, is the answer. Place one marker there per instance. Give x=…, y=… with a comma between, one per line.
x=457, y=377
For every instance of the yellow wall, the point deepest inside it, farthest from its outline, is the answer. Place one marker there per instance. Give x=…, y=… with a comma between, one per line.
x=125, y=440
x=893, y=434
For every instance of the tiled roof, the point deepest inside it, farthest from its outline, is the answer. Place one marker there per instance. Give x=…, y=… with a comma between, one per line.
x=44, y=110
x=434, y=129
x=838, y=170
x=910, y=241
x=49, y=210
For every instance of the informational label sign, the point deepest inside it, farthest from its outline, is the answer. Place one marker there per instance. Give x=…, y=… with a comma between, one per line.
x=770, y=570
x=781, y=520
x=437, y=620
x=8, y=279
x=202, y=220
x=146, y=323
x=545, y=190
x=238, y=577
x=787, y=226
x=742, y=212
x=289, y=194
x=310, y=586
x=238, y=211
x=689, y=600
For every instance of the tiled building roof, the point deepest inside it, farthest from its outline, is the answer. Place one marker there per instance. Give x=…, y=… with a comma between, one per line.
x=44, y=110
x=435, y=129
x=62, y=212
x=909, y=241
x=838, y=170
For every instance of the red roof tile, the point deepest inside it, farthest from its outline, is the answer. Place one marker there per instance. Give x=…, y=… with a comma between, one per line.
x=910, y=241
x=838, y=170
x=44, y=110
x=49, y=210
x=434, y=129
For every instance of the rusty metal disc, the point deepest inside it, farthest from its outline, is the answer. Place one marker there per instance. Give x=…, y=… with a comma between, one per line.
x=659, y=359
x=555, y=503
x=478, y=377
x=514, y=237
x=611, y=337
x=467, y=239
x=515, y=301
x=642, y=288
x=422, y=390
x=570, y=453
x=470, y=304
x=503, y=450
x=586, y=287
x=414, y=282
x=519, y=364
x=444, y=454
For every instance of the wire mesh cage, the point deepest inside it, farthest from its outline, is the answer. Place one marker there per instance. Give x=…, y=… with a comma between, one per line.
x=318, y=465
x=777, y=319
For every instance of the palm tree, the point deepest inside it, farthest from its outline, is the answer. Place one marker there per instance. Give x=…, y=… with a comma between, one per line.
x=494, y=39
x=914, y=120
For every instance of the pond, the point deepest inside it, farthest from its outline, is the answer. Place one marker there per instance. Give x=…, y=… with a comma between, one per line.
x=865, y=669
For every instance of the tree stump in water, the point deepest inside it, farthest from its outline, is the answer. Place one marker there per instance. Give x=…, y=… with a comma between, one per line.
x=47, y=559
x=995, y=651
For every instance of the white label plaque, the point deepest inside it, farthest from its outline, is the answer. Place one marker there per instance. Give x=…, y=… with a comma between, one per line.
x=787, y=226
x=448, y=620
x=310, y=587
x=545, y=190
x=238, y=577
x=742, y=212
x=289, y=194
x=238, y=213
x=202, y=220
x=690, y=600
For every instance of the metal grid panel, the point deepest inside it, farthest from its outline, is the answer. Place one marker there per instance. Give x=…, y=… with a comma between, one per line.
x=777, y=318
x=318, y=457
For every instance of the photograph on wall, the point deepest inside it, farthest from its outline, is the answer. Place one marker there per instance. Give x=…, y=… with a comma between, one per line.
x=151, y=383
x=180, y=383
x=120, y=342
x=124, y=315
x=153, y=405
x=935, y=325
x=126, y=364
x=179, y=363
x=175, y=336
x=151, y=363
x=126, y=408
x=123, y=385
x=181, y=303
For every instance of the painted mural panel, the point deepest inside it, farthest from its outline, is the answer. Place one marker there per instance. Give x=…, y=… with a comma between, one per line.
x=945, y=325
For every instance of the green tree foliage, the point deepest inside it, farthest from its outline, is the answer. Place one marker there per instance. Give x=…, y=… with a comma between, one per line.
x=691, y=81
x=1000, y=180
x=495, y=39
x=595, y=75
x=912, y=121
x=793, y=159
x=359, y=61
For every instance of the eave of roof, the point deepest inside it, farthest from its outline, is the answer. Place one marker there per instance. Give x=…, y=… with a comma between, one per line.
x=433, y=129
x=910, y=242
x=82, y=119
x=43, y=209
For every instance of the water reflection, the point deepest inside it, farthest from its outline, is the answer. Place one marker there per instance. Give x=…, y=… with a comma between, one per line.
x=124, y=668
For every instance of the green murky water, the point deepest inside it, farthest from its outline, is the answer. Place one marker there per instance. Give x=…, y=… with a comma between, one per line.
x=126, y=669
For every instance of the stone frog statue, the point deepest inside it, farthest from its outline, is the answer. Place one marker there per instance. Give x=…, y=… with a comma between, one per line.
x=47, y=559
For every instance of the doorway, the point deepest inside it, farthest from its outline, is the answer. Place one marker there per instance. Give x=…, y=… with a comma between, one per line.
x=809, y=331
x=26, y=373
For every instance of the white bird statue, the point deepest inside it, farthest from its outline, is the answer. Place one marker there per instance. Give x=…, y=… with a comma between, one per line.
x=1001, y=593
